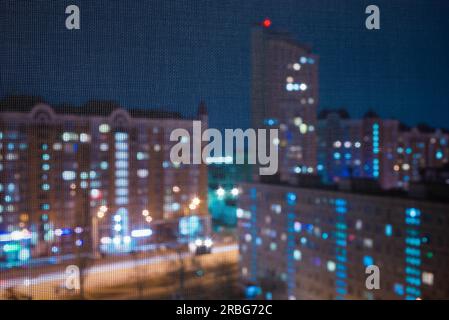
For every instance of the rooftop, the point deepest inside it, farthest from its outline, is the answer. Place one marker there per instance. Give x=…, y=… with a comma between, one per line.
x=436, y=192
x=92, y=108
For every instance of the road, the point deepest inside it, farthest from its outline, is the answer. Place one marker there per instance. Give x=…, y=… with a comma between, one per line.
x=48, y=283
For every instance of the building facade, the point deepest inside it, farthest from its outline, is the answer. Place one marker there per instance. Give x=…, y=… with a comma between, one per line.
x=305, y=243
x=380, y=149
x=96, y=176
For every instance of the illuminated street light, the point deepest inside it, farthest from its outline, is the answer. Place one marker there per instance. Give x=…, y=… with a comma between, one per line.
x=196, y=201
x=208, y=242
x=145, y=213
x=149, y=219
x=100, y=214
x=220, y=192
x=235, y=192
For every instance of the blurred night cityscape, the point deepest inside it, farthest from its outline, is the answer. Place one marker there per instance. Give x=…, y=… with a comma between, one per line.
x=88, y=182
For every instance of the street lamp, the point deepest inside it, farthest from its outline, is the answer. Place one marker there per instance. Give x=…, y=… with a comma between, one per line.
x=95, y=234
x=220, y=192
x=235, y=191
x=196, y=201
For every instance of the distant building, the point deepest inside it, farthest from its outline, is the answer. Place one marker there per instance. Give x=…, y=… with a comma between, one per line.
x=224, y=181
x=380, y=149
x=419, y=148
x=315, y=243
x=284, y=95
x=98, y=169
x=302, y=239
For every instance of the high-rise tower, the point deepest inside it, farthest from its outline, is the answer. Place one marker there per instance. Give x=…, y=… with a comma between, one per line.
x=285, y=96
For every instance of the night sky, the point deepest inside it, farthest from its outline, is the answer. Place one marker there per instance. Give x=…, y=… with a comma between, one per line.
x=171, y=54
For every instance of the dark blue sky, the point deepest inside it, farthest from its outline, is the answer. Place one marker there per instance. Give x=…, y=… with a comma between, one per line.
x=173, y=53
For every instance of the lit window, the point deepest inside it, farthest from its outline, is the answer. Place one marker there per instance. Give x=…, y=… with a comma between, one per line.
x=297, y=121
x=122, y=155
x=388, y=230
x=84, y=175
x=104, y=128
x=121, y=182
x=276, y=208
x=427, y=278
x=104, y=147
x=121, y=164
x=121, y=136
x=121, y=192
x=121, y=173
x=399, y=289
x=57, y=146
x=297, y=226
x=95, y=193
x=368, y=243
x=142, y=156
x=68, y=175
x=291, y=198
x=142, y=173
x=69, y=136
x=104, y=165
x=368, y=261
x=331, y=266
x=84, y=137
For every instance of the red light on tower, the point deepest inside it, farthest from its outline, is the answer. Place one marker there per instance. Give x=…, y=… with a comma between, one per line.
x=267, y=23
